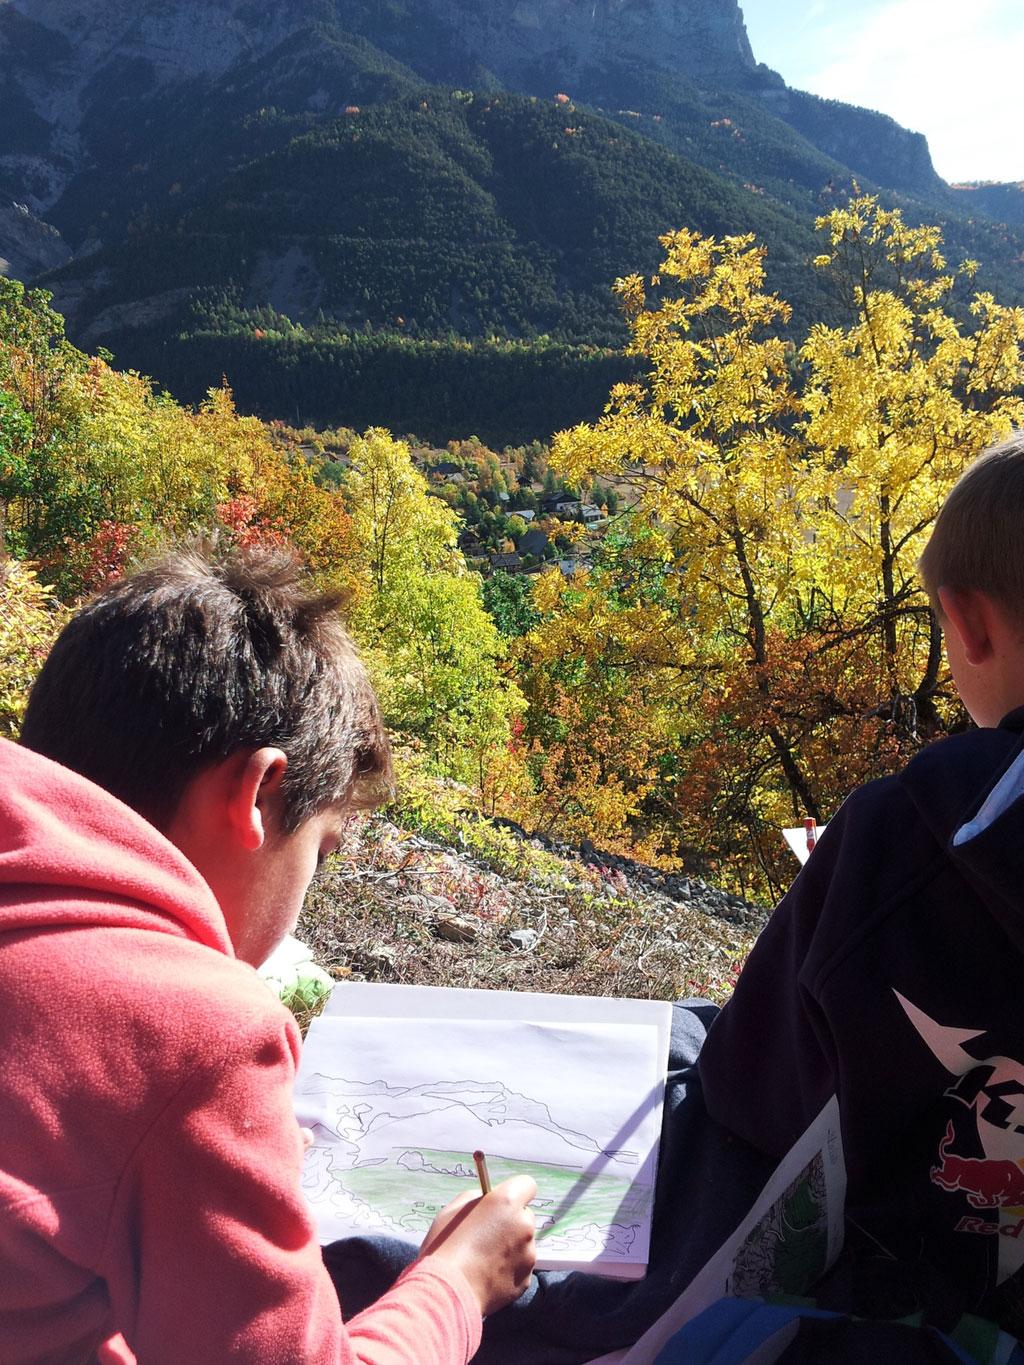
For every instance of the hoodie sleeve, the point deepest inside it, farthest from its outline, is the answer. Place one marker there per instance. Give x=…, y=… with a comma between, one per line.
x=768, y=1065
x=223, y=1264
x=878, y=914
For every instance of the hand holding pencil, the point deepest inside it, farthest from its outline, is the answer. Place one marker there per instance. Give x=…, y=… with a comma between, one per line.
x=489, y=1238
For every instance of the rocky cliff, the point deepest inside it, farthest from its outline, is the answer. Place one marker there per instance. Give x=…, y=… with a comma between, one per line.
x=529, y=43
x=873, y=145
x=80, y=80
x=62, y=60
x=28, y=246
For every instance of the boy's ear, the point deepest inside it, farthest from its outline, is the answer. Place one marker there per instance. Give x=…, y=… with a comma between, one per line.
x=970, y=614
x=255, y=794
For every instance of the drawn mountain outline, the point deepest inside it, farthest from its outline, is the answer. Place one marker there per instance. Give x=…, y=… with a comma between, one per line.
x=364, y=1124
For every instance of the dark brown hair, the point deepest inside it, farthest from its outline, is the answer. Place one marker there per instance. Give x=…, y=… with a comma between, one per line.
x=978, y=538
x=200, y=655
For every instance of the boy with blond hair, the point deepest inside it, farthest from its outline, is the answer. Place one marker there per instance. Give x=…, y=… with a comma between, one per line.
x=890, y=975
x=193, y=747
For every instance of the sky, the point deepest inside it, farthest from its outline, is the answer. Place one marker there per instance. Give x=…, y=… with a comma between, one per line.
x=950, y=69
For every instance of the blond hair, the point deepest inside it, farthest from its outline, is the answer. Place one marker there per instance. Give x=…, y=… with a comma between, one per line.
x=978, y=538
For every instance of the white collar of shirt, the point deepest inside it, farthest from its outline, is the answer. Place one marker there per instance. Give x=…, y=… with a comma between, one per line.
x=1002, y=796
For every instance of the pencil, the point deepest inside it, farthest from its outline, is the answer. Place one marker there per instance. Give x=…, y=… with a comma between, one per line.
x=481, y=1170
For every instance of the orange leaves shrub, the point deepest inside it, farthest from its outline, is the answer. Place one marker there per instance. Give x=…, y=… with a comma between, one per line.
x=103, y=557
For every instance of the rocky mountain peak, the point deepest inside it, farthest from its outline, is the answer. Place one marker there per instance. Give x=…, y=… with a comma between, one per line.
x=71, y=65
x=509, y=37
x=520, y=38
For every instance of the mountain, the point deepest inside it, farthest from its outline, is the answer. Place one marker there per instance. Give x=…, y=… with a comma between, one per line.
x=1005, y=203
x=367, y=188
x=85, y=82
x=28, y=246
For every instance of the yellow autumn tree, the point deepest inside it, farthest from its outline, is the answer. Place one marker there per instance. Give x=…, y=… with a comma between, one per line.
x=96, y=466
x=786, y=493
x=604, y=684
x=30, y=620
x=897, y=404
x=707, y=446
x=86, y=450
x=434, y=651
x=267, y=491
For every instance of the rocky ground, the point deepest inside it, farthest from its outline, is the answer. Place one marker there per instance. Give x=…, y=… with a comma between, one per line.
x=504, y=912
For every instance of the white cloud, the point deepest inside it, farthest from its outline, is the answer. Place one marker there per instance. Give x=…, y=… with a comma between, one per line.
x=949, y=70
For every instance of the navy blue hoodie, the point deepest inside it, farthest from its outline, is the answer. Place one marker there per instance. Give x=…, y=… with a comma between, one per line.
x=891, y=975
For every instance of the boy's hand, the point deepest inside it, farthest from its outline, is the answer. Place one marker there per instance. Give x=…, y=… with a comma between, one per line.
x=490, y=1239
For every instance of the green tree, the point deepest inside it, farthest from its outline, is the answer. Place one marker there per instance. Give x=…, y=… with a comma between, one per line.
x=434, y=650
x=509, y=601
x=38, y=417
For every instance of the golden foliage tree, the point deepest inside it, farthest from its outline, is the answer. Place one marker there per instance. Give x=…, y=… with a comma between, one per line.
x=434, y=650
x=96, y=466
x=786, y=493
x=896, y=405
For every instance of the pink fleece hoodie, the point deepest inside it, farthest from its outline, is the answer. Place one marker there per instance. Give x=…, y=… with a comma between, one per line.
x=149, y=1157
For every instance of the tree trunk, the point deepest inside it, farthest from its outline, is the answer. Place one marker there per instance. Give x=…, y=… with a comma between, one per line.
x=798, y=784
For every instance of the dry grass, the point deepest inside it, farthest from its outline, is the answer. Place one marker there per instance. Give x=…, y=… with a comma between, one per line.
x=404, y=908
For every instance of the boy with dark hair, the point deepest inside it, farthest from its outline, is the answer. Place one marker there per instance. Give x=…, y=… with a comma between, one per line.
x=890, y=975
x=186, y=662
x=201, y=734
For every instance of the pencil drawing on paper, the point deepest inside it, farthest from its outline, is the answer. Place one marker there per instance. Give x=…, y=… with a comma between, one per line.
x=383, y=1159
x=787, y=1250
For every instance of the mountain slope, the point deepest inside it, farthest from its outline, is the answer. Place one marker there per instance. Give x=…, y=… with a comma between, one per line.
x=483, y=214
x=325, y=160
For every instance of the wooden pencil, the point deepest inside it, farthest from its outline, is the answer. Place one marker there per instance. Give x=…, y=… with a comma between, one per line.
x=481, y=1170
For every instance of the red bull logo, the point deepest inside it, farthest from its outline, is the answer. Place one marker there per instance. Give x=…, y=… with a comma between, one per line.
x=990, y=1090
x=988, y=1183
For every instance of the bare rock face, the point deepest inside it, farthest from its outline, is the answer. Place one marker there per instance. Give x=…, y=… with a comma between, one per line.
x=517, y=39
x=64, y=60
x=191, y=37
x=182, y=38
x=73, y=66
x=27, y=245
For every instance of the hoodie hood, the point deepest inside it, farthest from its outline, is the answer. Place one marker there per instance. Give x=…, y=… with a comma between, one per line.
x=948, y=784
x=72, y=855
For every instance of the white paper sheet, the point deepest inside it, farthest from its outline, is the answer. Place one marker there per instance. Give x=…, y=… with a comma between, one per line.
x=379, y=999
x=796, y=838
x=398, y=1107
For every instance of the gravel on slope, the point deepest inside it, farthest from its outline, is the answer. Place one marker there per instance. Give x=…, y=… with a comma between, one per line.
x=400, y=906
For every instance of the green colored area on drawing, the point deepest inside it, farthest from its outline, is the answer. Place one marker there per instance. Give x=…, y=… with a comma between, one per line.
x=787, y=1250
x=411, y=1193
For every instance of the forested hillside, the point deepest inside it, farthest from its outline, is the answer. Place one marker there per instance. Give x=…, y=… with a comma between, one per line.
x=477, y=219
x=413, y=213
